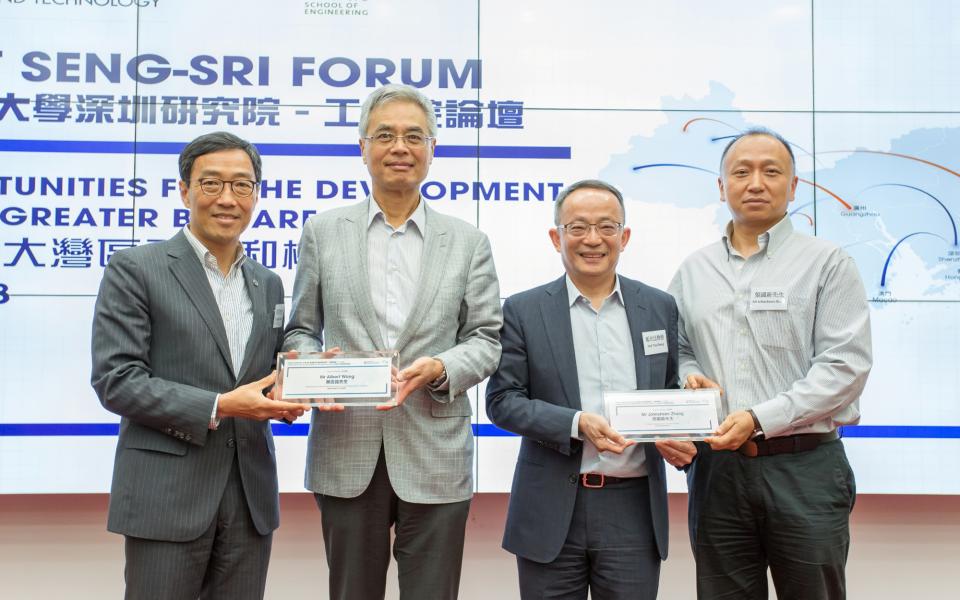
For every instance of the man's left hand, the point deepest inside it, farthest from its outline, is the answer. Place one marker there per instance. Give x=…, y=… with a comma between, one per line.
x=733, y=432
x=423, y=371
x=677, y=453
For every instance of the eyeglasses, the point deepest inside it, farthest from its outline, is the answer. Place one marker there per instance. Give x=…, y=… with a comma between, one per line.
x=579, y=229
x=241, y=188
x=411, y=140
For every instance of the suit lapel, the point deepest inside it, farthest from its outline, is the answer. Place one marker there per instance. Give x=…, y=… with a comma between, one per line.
x=555, y=310
x=258, y=300
x=636, y=317
x=432, y=265
x=353, y=234
x=188, y=271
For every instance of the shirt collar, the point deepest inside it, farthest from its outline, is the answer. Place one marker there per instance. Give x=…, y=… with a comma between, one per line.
x=770, y=240
x=418, y=218
x=573, y=294
x=206, y=257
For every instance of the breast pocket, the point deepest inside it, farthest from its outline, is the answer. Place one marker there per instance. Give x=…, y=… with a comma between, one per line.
x=779, y=328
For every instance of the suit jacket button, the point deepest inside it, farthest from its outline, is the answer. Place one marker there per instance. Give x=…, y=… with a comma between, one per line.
x=573, y=478
x=231, y=443
x=187, y=437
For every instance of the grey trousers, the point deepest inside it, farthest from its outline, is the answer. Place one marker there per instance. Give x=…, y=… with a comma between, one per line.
x=428, y=546
x=229, y=560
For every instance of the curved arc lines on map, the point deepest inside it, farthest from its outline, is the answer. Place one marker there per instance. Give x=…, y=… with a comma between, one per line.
x=739, y=131
x=953, y=223
x=638, y=168
x=712, y=120
x=896, y=155
x=886, y=264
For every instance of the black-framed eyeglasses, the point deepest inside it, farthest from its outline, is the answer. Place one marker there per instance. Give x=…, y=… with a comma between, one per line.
x=579, y=229
x=242, y=188
x=410, y=140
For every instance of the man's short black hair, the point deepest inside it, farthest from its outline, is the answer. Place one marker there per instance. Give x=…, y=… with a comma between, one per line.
x=215, y=142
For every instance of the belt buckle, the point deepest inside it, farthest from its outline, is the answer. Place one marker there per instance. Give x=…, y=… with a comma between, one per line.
x=585, y=479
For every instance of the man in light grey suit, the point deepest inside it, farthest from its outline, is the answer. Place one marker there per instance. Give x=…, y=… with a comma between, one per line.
x=184, y=335
x=391, y=273
x=588, y=508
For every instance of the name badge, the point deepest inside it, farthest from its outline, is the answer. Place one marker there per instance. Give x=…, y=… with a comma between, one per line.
x=654, y=342
x=278, y=316
x=768, y=298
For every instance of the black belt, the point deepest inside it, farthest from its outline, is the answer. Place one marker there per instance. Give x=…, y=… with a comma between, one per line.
x=788, y=444
x=599, y=480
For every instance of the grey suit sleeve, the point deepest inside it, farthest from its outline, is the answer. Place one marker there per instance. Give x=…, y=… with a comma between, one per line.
x=509, y=404
x=304, y=331
x=122, y=375
x=478, y=336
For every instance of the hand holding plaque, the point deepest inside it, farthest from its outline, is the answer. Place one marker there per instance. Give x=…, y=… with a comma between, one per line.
x=649, y=415
x=344, y=378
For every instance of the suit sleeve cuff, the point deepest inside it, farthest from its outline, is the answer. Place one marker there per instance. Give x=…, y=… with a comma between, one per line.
x=575, y=426
x=214, y=420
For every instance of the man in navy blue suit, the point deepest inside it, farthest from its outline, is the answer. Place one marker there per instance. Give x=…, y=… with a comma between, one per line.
x=588, y=508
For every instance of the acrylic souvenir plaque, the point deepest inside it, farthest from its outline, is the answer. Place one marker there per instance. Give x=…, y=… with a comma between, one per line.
x=346, y=378
x=649, y=415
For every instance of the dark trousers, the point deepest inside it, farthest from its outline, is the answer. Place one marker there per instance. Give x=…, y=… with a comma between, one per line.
x=428, y=546
x=229, y=560
x=610, y=549
x=788, y=512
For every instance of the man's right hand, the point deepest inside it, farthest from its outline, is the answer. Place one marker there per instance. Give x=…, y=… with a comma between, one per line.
x=598, y=432
x=248, y=402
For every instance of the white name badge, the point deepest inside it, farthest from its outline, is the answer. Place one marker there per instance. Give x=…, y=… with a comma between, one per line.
x=278, y=316
x=655, y=342
x=768, y=298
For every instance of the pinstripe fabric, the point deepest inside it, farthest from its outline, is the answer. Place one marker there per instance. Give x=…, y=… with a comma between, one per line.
x=393, y=268
x=801, y=370
x=456, y=317
x=160, y=356
x=233, y=302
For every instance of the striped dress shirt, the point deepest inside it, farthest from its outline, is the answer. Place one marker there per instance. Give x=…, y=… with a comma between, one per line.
x=233, y=302
x=802, y=366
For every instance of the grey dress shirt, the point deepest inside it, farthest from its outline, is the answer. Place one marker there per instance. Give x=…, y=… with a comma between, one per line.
x=785, y=332
x=604, y=356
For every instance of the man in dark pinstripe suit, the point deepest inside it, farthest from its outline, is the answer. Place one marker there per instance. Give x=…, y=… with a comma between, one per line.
x=184, y=335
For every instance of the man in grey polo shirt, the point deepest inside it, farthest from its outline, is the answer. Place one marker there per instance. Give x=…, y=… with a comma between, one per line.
x=780, y=321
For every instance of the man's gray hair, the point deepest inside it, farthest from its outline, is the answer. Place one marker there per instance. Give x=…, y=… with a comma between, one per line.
x=586, y=184
x=395, y=92
x=760, y=131
x=216, y=142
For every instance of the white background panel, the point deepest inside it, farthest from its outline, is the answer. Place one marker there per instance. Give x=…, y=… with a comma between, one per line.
x=886, y=55
x=621, y=85
x=628, y=54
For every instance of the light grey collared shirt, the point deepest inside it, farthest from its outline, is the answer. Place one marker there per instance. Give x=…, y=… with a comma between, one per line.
x=604, y=354
x=785, y=332
x=393, y=267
